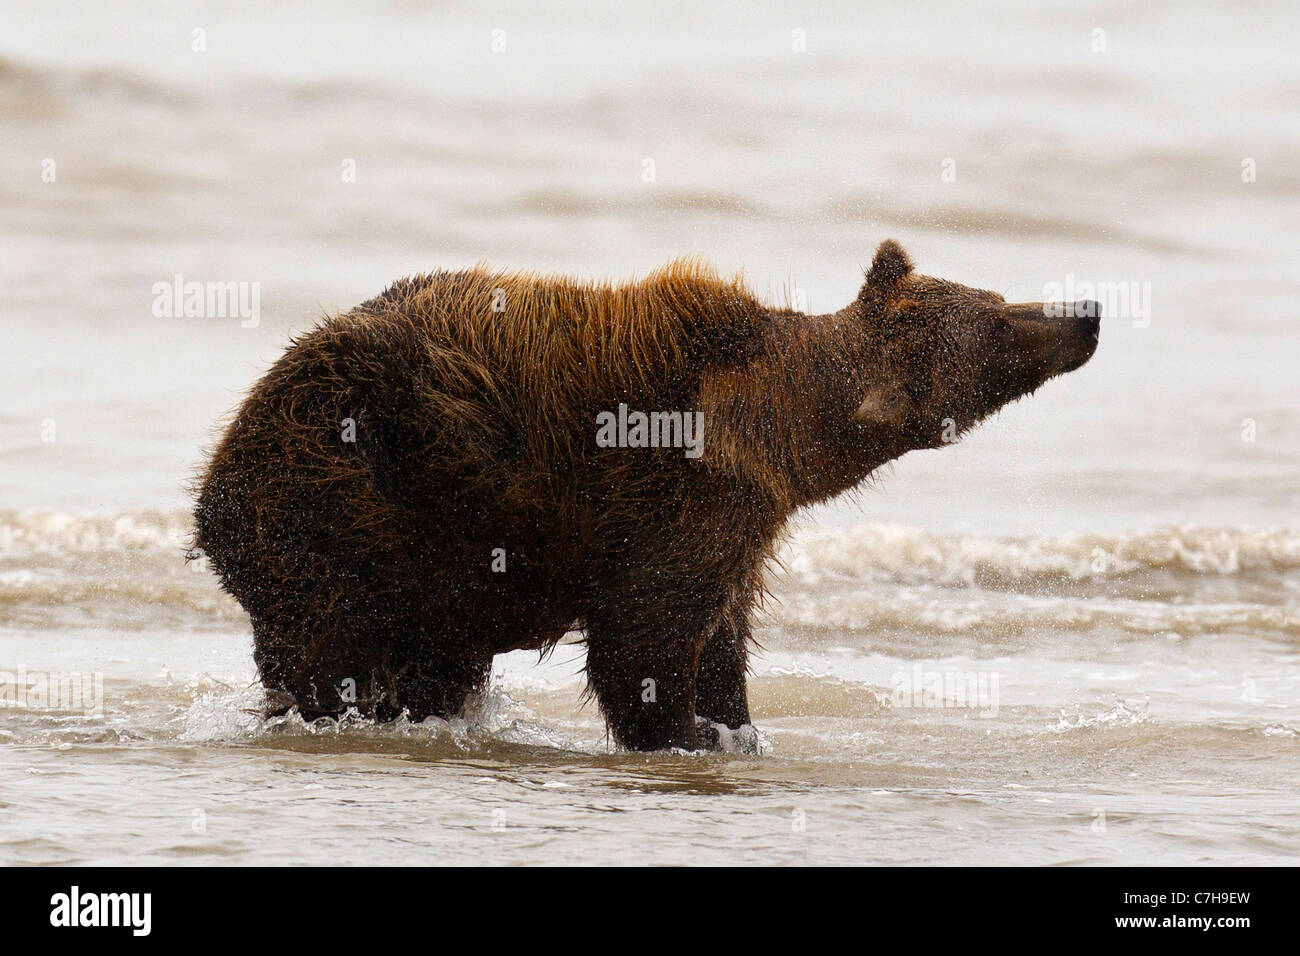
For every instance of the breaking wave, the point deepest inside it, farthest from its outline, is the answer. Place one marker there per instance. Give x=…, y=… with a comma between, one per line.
x=128, y=569
x=868, y=551
x=879, y=552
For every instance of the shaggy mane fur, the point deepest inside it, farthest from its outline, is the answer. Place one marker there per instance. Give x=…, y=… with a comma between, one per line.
x=521, y=361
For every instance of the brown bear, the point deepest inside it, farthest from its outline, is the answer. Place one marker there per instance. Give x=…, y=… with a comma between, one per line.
x=477, y=462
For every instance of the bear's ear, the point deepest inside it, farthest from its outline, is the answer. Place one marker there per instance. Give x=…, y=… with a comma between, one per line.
x=886, y=405
x=890, y=265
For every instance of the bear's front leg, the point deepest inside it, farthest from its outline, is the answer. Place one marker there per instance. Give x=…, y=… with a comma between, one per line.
x=721, y=695
x=645, y=685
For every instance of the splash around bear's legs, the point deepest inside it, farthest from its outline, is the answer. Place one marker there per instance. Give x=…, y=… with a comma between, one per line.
x=435, y=685
x=378, y=663
x=420, y=690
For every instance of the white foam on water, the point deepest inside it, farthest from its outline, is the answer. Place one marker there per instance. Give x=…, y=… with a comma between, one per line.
x=220, y=713
x=1119, y=715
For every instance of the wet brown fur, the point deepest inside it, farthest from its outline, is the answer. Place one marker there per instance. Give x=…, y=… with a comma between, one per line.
x=368, y=564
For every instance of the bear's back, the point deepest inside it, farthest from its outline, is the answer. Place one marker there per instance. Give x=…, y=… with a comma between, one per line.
x=525, y=325
x=525, y=361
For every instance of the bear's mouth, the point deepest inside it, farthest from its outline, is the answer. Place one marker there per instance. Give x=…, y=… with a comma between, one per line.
x=1080, y=359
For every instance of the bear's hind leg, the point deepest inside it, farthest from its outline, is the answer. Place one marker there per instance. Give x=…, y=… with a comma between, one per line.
x=432, y=682
x=320, y=679
x=378, y=657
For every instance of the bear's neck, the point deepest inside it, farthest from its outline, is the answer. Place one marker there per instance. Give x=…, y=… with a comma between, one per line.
x=841, y=454
x=785, y=423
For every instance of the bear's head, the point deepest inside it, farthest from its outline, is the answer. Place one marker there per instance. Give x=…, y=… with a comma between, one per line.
x=940, y=356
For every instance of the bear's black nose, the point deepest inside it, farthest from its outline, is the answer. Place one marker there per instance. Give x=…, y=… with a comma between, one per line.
x=1088, y=312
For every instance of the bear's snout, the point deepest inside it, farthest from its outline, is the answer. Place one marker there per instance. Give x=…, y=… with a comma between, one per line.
x=1074, y=347
x=1056, y=337
x=1088, y=312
